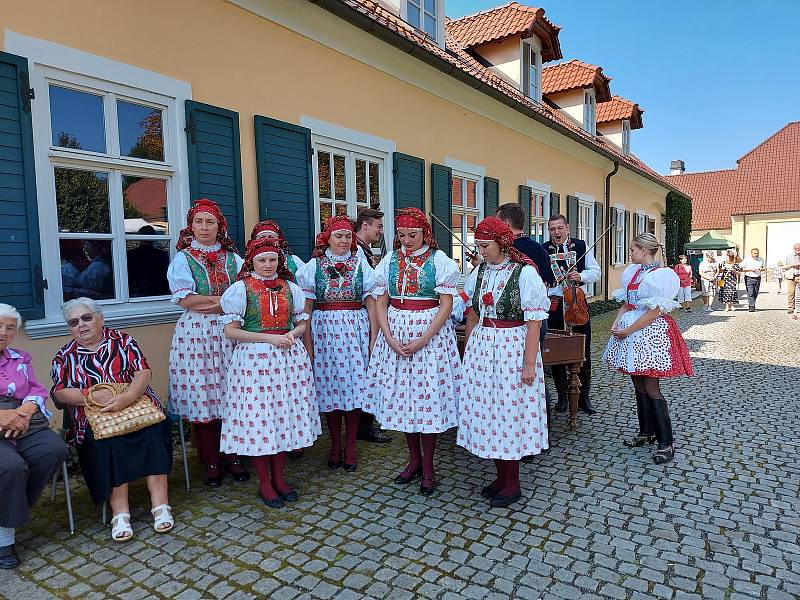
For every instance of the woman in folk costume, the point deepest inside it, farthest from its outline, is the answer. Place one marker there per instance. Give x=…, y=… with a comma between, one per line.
x=269, y=398
x=270, y=229
x=502, y=413
x=646, y=343
x=204, y=267
x=414, y=370
x=337, y=282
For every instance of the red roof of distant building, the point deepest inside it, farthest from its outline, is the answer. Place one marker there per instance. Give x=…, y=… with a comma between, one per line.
x=712, y=194
x=619, y=108
x=502, y=22
x=149, y=197
x=573, y=75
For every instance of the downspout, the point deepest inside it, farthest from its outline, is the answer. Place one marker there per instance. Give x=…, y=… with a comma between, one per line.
x=607, y=241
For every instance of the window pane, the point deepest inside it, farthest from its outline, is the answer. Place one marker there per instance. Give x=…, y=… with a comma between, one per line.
x=455, y=222
x=76, y=119
x=140, y=133
x=87, y=269
x=430, y=6
x=339, y=183
x=456, y=194
x=472, y=221
x=82, y=201
x=144, y=201
x=325, y=211
x=324, y=174
x=472, y=186
x=374, y=186
x=361, y=180
x=430, y=25
x=341, y=209
x=147, y=268
x=413, y=15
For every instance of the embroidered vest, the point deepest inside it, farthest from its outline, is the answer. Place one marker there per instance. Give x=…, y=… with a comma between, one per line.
x=560, y=261
x=268, y=308
x=417, y=273
x=333, y=285
x=211, y=278
x=508, y=307
x=290, y=264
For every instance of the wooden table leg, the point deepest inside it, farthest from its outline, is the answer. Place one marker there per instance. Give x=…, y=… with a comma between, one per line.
x=574, y=392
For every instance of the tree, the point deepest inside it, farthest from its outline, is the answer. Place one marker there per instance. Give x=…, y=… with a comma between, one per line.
x=150, y=144
x=81, y=196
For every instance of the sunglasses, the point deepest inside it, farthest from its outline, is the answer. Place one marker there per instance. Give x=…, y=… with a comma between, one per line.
x=87, y=318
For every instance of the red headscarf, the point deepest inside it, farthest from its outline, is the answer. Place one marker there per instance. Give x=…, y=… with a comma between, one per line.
x=207, y=206
x=337, y=223
x=260, y=246
x=492, y=229
x=414, y=218
x=270, y=225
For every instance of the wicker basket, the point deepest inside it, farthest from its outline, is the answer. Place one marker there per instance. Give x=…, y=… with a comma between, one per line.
x=138, y=415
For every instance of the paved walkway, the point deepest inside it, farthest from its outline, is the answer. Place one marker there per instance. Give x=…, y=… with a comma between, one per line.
x=599, y=520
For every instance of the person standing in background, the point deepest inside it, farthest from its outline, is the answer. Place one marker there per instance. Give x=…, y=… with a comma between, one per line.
x=777, y=272
x=752, y=268
x=684, y=272
x=729, y=274
x=709, y=270
x=791, y=270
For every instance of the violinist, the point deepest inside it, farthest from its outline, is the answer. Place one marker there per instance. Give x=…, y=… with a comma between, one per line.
x=571, y=266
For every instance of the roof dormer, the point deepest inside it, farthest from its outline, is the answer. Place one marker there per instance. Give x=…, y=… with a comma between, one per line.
x=425, y=16
x=576, y=88
x=615, y=120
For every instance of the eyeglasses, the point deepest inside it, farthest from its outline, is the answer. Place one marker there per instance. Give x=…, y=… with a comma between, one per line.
x=87, y=318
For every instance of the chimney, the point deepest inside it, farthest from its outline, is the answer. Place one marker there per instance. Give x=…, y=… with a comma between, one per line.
x=676, y=167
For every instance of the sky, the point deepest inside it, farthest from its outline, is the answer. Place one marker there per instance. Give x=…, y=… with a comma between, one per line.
x=715, y=77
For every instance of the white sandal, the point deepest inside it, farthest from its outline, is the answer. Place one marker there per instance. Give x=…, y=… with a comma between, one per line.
x=121, y=530
x=164, y=518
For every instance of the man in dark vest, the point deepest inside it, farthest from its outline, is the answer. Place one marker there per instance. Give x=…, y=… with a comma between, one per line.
x=564, y=251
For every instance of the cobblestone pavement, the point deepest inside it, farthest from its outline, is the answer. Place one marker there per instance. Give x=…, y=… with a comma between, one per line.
x=598, y=521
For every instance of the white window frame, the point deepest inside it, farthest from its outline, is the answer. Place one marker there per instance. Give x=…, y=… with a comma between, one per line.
x=326, y=137
x=590, y=111
x=626, y=137
x=472, y=172
x=586, y=202
x=620, y=243
x=440, y=18
x=640, y=223
x=539, y=189
x=51, y=62
x=531, y=86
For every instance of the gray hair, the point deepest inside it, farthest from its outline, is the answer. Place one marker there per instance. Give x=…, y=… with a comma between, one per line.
x=9, y=312
x=93, y=306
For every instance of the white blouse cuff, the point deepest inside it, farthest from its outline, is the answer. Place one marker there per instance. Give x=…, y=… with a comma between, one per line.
x=309, y=294
x=180, y=294
x=619, y=295
x=301, y=316
x=39, y=401
x=535, y=314
x=230, y=318
x=446, y=288
x=665, y=304
x=379, y=290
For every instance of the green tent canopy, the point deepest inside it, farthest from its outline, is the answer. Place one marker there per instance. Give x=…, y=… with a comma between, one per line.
x=708, y=242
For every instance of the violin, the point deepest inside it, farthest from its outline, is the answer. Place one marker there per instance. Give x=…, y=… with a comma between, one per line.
x=576, y=309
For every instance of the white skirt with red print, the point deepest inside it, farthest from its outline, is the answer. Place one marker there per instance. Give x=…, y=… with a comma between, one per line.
x=418, y=393
x=658, y=350
x=269, y=401
x=500, y=417
x=198, y=359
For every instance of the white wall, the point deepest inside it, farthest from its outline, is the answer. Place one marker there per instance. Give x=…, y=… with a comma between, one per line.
x=505, y=58
x=612, y=132
x=571, y=103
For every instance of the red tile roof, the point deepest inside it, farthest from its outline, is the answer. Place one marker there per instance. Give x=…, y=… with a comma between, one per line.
x=765, y=180
x=466, y=67
x=573, y=75
x=502, y=22
x=619, y=108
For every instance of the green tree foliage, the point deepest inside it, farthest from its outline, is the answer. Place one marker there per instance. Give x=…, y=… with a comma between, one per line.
x=678, y=225
x=81, y=196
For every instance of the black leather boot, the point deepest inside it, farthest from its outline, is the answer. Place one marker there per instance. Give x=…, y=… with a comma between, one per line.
x=645, y=435
x=586, y=406
x=662, y=425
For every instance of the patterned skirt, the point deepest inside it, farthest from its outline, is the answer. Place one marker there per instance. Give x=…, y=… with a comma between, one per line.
x=269, y=401
x=658, y=350
x=341, y=358
x=418, y=393
x=198, y=359
x=499, y=416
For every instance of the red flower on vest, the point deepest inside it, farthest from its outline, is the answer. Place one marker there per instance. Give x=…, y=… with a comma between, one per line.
x=488, y=299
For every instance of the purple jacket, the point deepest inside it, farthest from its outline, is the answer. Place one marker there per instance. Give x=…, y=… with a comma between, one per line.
x=18, y=380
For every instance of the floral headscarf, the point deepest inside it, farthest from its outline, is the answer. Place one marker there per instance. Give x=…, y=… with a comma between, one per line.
x=262, y=246
x=270, y=225
x=207, y=206
x=492, y=229
x=414, y=218
x=338, y=223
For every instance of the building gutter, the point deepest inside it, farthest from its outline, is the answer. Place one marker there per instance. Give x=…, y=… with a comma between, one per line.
x=341, y=9
x=610, y=235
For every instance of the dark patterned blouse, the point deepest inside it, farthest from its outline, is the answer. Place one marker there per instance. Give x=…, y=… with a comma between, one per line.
x=116, y=360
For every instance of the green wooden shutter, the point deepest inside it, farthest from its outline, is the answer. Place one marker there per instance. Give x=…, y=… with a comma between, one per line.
x=555, y=204
x=599, y=248
x=572, y=214
x=627, y=234
x=409, y=181
x=612, y=218
x=285, y=180
x=441, y=202
x=20, y=252
x=524, y=195
x=491, y=196
x=215, y=163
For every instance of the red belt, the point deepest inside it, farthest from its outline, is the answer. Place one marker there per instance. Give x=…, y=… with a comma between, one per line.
x=499, y=324
x=337, y=305
x=276, y=331
x=409, y=304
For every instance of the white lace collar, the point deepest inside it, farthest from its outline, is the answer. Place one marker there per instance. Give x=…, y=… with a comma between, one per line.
x=415, y=253
x=212, y=248
x=262, y=278
x=341, y=258
x=501, y=265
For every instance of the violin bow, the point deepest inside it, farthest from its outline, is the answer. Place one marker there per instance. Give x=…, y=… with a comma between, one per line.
x=588, y=249
x=470, y=252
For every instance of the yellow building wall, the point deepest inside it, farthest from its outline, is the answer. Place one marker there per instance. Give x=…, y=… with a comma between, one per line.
x=240, y=61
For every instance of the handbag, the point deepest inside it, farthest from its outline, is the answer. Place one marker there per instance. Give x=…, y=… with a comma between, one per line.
x=142, y=413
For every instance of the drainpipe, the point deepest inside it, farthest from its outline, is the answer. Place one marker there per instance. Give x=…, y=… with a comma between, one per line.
x=609, y=237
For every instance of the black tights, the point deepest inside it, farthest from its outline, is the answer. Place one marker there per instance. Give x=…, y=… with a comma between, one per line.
x=653, y=409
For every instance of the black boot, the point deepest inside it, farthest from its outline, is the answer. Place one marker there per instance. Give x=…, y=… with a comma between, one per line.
x=586, y=406
x=8, y=557
x=645, y=435
x=662, y=425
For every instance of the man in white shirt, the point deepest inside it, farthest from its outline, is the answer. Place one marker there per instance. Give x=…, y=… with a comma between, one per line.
x=752, y=267
x=791, y=269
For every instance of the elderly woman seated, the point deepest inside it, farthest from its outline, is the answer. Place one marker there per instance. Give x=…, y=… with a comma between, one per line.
x=95, y=355
x=29, y=451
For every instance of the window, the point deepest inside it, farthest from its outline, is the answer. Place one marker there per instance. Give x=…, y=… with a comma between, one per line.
x=346, y=182
x=589, y=111
x=626, y=137
x=586, y=231
x=423, y=15
x=466, y=214
x=540, y=212
x=651, y=225
x=620, y=250
x=532, y=71
x=641, y=224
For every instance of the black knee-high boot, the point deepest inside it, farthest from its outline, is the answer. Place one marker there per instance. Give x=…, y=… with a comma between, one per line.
x=662, y=425
x=643, y=413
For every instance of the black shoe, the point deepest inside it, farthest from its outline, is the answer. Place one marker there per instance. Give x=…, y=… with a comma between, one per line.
x=290, y=496
x=406, y=477
x=752, y=309
x=374, y=435
x=213, y=481
x=350, y=467
x=561, y=405
x=499, y=501
x=240, y=475
x=274, y=503
x=639, y=440
x=585, y=406
x=664, y=455
x=489, y=491
x=426, y=490
x=8, y=557
x=529, y=458
x=334, y=464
